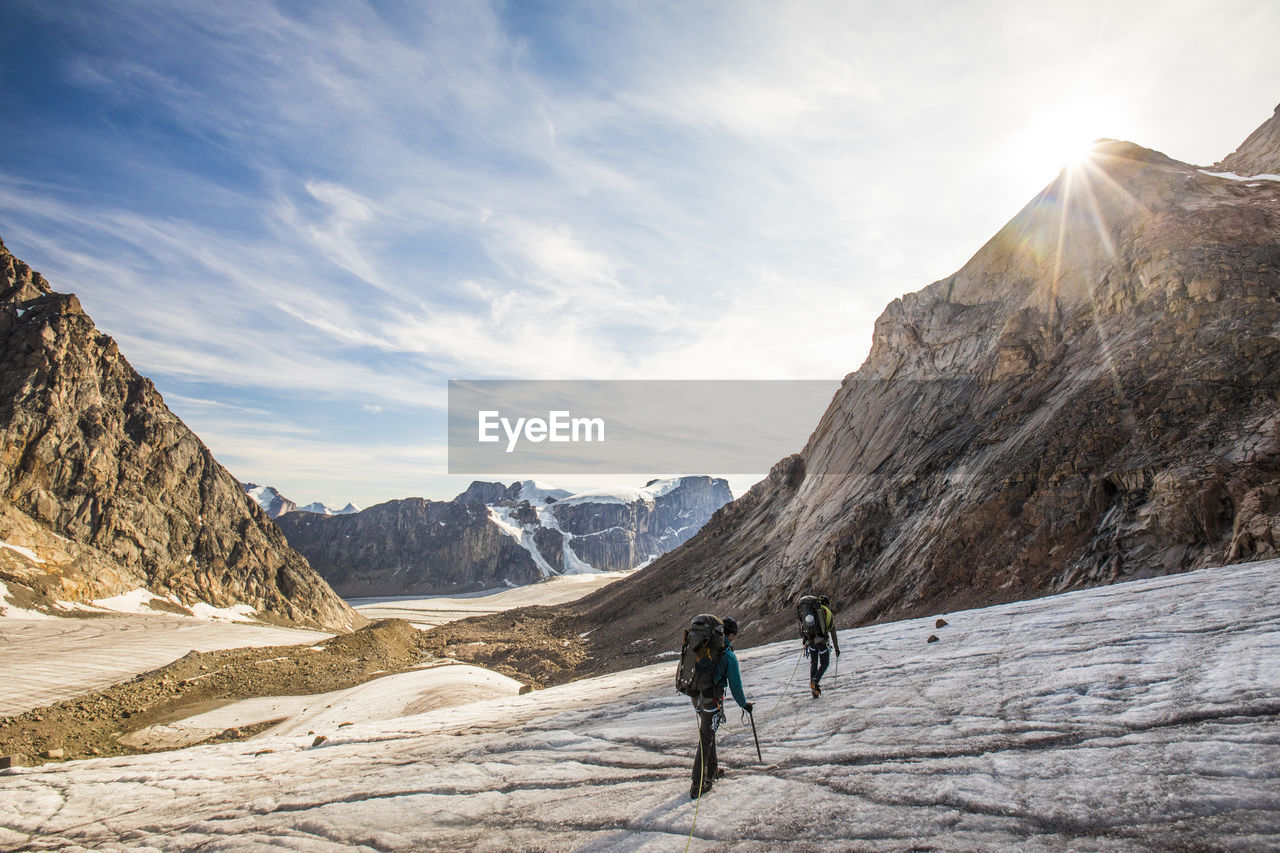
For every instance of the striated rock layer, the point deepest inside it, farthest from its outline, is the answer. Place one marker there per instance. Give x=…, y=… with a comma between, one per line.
x=108, y=491
x=1094, y=397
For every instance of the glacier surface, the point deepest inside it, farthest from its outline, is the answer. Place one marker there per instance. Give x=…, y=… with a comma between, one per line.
x=1142, y=716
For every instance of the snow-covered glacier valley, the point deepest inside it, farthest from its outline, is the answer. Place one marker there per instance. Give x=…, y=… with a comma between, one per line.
x=1144, y=715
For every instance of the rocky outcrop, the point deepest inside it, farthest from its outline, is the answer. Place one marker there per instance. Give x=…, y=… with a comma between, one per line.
x=492, y=534
x=410, y=547
x=111, y=492
x=485, y=494
x=1094, y=397
x=1260, y=153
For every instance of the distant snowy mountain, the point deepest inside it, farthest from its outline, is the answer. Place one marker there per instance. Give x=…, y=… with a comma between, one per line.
x=325, y=509
x=272, y=502
x=536, y=492
x=607, y=529
x=276, y=504
x=494, y=534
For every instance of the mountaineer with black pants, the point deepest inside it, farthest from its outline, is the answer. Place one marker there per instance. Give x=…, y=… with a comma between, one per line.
x=816, y=647
x=710, y=710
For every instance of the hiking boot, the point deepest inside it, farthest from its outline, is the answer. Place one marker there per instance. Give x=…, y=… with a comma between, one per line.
x=694, y=793
x=815, y=689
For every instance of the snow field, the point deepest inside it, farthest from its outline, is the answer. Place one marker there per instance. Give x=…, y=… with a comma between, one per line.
x=48, y=659
x=430, y=611
x=439, y=685
x=1139, y=716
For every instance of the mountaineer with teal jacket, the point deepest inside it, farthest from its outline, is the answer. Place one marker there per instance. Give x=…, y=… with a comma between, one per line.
x=709, y=703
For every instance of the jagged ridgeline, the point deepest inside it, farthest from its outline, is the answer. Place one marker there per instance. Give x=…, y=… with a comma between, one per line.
x=1094, y=397
x=106, y=491
x=494, y=534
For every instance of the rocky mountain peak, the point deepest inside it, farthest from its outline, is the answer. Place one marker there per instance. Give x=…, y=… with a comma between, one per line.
x=1260, y=152
x=112, y=493
x=1093, y=397
x=20, y=282
x=1012, y=304
x=481, y=492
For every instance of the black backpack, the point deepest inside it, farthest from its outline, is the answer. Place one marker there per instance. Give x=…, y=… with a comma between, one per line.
x=813, y=628
x=703, y=646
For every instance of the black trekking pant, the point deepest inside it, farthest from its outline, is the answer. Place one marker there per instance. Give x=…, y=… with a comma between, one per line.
x=819, y=660
x=704, y=760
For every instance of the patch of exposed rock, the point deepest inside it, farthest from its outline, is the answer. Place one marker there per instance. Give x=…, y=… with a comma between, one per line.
x=96, y=723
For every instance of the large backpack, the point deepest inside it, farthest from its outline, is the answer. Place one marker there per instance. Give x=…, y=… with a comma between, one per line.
x=703, y=646
x=813, y=628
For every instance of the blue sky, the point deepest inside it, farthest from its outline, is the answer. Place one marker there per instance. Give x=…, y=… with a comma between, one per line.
x=301, y=219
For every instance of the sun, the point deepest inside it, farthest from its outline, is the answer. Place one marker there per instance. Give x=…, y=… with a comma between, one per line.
x=1054, y=141
x=1064, y=144
x=1075, y=154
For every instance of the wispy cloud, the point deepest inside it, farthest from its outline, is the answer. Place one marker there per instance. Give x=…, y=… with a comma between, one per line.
x=343, y=205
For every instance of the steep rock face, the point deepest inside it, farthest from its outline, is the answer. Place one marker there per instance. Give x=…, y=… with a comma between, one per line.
x=612, y=536
x=493, y=534
x=1260, y=153
x=411, y=546
x=91, y=454
x=1095, y=396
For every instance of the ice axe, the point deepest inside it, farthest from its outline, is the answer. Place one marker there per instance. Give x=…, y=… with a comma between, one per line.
x=751, y=715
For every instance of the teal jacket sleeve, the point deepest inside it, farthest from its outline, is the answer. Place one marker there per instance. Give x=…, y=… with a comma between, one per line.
x=733, y=676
